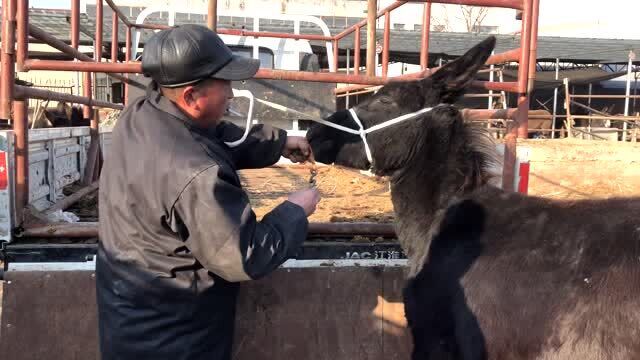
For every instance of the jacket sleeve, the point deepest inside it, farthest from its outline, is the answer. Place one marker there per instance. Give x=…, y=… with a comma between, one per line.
x=263, y=146
x=221, y=231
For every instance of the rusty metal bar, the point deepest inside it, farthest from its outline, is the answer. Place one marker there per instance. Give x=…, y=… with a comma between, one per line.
x=335, y=55
x=7, y=57
x=356, y=52
x=362, y=23
x=499, y=86
x=75, y=23
x=521, y=129
x=36, y=64
x=117, y=10
x=135, y=67
x=40, y=34
x=511, y=4
x=512, y=55
x=150, y=26
x=358, y=92
x=212, y=15
x=88, y=93
x=385, y=43
x=114, y=38
x=533, y=48
x=90, y=229
x=318, y=77
x=99, y=28
x=486, y=114
x=507, y=56
x=73, y=198
x=612, y=117
x=22, y=17
x=21, y=130
x=239, y=32
x=127, y=58
x=371, y=37
x=525, y=41
x=23, y=92
x=426, y=27
x=509, y=161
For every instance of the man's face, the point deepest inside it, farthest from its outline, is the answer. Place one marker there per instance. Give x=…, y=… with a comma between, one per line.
x=212, y=99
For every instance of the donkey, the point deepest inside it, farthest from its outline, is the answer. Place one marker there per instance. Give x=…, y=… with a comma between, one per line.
x=492, y=274
x=65, y=115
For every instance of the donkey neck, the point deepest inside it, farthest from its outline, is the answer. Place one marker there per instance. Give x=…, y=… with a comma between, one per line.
x=423, y=190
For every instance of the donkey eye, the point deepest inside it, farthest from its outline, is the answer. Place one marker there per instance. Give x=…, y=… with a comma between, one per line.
x=385, y=100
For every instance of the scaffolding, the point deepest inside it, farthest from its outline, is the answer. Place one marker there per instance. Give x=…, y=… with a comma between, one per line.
x=16, y=31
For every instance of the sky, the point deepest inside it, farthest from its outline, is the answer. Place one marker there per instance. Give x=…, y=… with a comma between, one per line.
x=50, y=4
x=577, y=18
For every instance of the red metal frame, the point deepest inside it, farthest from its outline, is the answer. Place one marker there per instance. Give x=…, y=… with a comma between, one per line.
x=15, y=17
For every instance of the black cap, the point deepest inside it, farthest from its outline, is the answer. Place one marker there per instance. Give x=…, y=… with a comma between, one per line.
x=185, y=54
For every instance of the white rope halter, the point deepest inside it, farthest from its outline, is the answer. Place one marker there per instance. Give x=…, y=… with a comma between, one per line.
x=363, y=132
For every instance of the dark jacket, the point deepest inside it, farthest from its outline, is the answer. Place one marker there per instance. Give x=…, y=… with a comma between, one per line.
x=177, y=233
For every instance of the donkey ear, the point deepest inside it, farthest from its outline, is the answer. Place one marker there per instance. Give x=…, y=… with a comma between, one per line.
x=456, y=76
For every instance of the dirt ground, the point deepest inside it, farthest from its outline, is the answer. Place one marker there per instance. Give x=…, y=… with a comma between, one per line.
x=347, y=195
x=560, y=169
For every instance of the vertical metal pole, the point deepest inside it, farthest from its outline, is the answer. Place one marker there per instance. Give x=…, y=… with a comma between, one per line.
x=346, y=98
x=114, y=38
x=385, y=43
x=567, y=105
x=87, y=111
x=590, y=113
x=356, y=52
x=22, y=157
x=95, y=120
x=75, y=36
x=426, y=25
x=523, y=72
x=7, y=57
x=503, y=93
x=348, y=60
x=491, y=78
x=335, y=55
x=127, y=58
x=22, y=17
x=371, y=36
x=627, y=93
x=533, y=47
x=212, y=15
x=97, y=54
x=555, y=102
x=75, y=23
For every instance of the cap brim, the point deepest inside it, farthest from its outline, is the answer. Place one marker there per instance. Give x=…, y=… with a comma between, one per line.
x=239, y=68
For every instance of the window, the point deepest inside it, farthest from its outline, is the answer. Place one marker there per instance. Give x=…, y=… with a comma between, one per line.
x=304, y=124
x=265, y=55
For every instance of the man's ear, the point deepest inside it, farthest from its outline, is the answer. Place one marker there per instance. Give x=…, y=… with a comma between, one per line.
x=188, y=96
x=454, y=78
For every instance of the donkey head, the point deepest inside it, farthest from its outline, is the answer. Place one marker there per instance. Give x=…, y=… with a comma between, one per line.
x=394, y=147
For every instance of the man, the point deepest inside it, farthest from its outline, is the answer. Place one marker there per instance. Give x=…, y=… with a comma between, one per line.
x=177, y=232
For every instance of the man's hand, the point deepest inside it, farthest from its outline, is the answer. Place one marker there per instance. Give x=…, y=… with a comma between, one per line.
x=306, y=199
x=297, y=149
